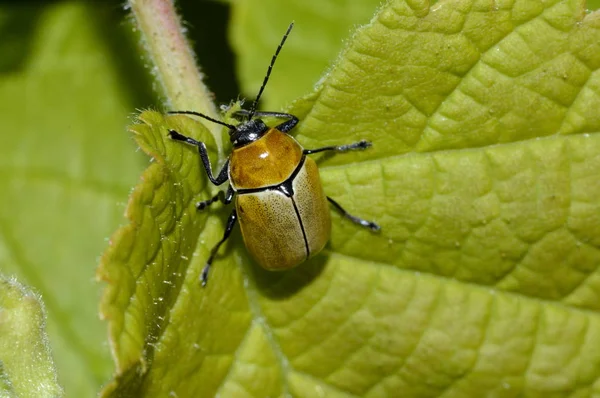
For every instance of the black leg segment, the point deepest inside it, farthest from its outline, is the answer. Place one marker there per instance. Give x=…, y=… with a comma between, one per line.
x=357, y=220
x=360, y=145
x=288, y=125
x=222, y=177
x=228, y=228
x=225, y=198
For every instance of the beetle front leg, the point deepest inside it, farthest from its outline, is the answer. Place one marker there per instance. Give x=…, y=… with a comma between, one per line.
x=357, y=220
x=360, y=145
x=228, y=228
x=222, y=177
x=225, y=198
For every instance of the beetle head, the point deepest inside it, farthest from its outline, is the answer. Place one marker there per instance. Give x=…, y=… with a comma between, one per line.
x=247, y=132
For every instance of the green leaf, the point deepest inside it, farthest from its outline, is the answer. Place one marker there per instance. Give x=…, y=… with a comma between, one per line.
x=484, y=176
x=67, y=88
x=147, y=260
x=27, y=371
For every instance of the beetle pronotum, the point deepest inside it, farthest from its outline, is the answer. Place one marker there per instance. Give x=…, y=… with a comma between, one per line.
x=279, y=200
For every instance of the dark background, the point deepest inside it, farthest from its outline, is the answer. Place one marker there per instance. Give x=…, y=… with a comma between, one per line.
x=206, y=20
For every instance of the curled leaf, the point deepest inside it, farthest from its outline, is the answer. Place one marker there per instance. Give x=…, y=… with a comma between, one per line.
x=26, y=365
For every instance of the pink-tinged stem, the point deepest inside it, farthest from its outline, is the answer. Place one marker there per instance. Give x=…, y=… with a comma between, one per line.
x=174, y=61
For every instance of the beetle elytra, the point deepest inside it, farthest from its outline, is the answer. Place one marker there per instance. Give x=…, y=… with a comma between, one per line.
x=280, y=204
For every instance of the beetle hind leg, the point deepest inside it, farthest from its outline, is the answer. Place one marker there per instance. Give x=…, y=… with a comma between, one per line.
x=359, y=145
x=357, y=220
x=228, y=228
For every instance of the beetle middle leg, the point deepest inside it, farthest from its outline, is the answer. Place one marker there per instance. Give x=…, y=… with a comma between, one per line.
x=357, y=220
x=360, y=145
x=213, y=252
x=225, y=198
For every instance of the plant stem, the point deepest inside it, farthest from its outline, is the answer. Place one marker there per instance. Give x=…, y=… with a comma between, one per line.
x=174, y=63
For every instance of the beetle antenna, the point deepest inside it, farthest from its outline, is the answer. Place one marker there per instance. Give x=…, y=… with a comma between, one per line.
x=231, y=126
x=262, y=88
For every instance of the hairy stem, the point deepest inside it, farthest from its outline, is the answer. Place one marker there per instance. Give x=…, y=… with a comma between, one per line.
x=174, y=62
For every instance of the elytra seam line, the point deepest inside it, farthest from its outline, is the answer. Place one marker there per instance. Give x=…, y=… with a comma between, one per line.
x=301, y=227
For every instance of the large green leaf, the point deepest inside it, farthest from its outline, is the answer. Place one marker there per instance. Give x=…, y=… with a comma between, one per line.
x=485, y=178
x=27, y=371
x=66, y=166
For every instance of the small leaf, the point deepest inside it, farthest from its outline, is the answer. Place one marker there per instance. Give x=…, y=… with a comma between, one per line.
x=26, y=366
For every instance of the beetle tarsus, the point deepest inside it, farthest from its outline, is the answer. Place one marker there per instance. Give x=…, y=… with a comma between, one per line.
x=205, y=203
x=225, y=198
x=204, y=275
x=365, y=223
x=213, y=252
x=373, y=226
x=357, y=220
x=359, y=145
x=174, y=135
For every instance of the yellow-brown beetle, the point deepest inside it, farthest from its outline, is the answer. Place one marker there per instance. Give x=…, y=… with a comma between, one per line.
x=279, y=200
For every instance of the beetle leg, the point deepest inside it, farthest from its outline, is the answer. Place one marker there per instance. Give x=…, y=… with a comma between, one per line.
x=369, y=224
x=283, y=127
x=226, y=198
x=362, y=144
x=222, y=177
x=228, y=228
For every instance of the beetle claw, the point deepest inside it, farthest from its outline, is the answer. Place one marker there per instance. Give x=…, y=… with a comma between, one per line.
x=174, y=135
x=370, y=224
x=364, y=144
x=360, y=145
x=204, y=275
x=374, y=226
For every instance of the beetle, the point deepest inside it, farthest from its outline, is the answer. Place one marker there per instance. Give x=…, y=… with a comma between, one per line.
x=280, y=204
